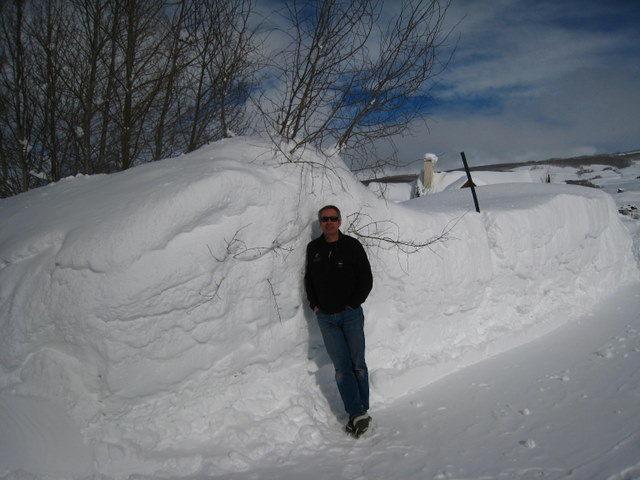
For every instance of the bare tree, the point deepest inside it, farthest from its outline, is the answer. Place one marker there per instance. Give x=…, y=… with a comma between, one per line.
x=47, y=28
x=222, y=71
x=395, y=85
x=235, y=65
x=327, y=41
x=175, y=61
x=86, y=57
x=139, y=45
x=18, y=114
x=353, y=76
x=96, y=86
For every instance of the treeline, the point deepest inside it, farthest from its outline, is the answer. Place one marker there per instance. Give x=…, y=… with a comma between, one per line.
x=97, y=86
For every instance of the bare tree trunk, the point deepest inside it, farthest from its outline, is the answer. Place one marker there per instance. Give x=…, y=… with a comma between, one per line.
x=176, y=62
x=107, y=158
x=198, y=124
x=140, y=80
x=129, y=54
x=86, y=57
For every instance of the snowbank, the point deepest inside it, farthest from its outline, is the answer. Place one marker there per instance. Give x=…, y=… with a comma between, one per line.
x=393, y=192
x=162, y=308
x=456, y=179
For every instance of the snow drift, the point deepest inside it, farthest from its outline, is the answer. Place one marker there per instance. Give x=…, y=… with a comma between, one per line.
x=161, y=309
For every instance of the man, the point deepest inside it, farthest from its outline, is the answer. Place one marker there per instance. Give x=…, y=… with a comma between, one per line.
x=338, y=280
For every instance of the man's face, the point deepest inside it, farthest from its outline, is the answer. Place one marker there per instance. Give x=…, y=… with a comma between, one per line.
x=329, y=227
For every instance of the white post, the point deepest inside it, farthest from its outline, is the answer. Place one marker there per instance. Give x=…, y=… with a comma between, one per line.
x=427, y=174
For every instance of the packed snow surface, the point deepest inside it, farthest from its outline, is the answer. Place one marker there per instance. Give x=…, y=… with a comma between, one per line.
x=153, y=322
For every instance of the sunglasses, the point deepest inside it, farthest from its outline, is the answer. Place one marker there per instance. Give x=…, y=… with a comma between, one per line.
x=329, y=219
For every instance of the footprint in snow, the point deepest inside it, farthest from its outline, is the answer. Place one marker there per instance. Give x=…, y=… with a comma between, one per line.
x=606, y=352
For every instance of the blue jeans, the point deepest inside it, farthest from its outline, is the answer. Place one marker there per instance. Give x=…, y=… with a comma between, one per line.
x=343, y=335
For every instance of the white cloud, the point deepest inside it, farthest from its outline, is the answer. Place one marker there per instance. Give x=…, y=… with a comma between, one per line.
x=533, y=82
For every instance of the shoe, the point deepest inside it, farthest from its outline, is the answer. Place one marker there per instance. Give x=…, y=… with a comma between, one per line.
x=349, y=428
x=358, y=425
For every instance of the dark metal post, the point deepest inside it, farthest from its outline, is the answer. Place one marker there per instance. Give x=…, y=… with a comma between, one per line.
x=471, y=185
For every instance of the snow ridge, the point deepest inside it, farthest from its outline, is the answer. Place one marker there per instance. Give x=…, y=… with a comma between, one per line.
x=163, y=307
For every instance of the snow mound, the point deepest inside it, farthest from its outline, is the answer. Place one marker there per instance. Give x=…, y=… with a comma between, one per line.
x=163, y=307
x=457, y=179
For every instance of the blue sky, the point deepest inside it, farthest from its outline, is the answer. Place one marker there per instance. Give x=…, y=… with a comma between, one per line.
x=532, y=80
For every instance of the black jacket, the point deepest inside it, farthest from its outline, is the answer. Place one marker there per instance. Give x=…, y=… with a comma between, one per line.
x=338, y=275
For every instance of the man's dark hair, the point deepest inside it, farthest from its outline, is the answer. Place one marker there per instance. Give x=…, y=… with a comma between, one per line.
x=327, y=207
